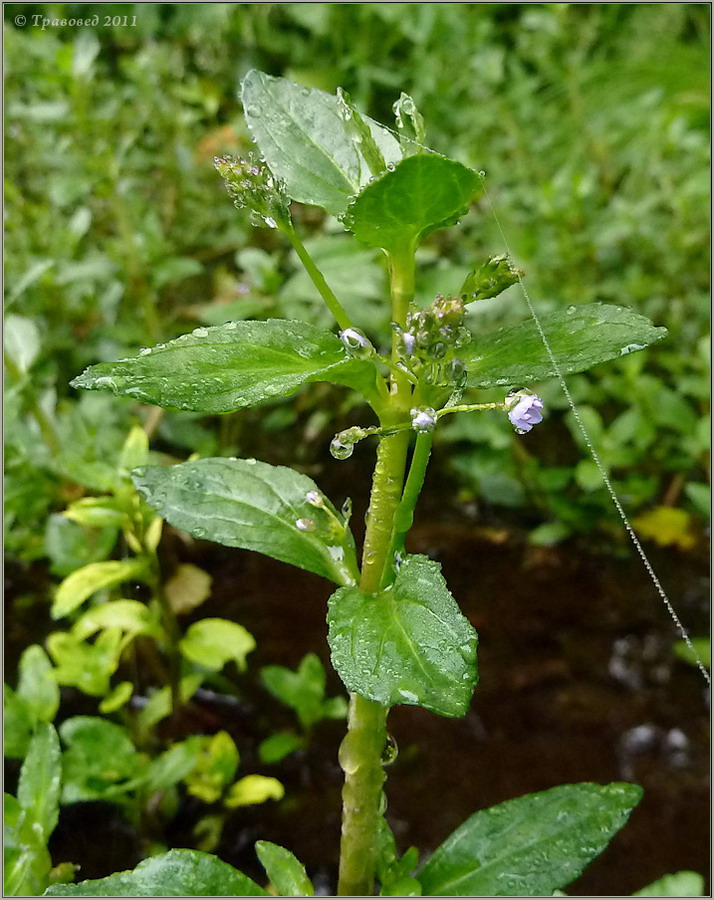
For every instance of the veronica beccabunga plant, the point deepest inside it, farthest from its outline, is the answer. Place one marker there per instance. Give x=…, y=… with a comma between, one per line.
x=395, y=632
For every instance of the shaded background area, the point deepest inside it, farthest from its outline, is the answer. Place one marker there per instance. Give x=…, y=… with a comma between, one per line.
x=591, y=123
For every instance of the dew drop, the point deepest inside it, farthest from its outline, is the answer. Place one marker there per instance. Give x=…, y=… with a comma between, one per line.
x=340, y=448
x=482, y=173
x=391, y=166
x=231, y=326
x=145, y=351
x=423, y=419
x=200, y=332
x=357, y=343
x=305, y=524
x=315, y=499
x=251, y=461
x=390, y=751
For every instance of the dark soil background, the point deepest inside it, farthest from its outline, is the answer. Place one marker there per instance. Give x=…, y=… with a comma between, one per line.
x=577, y=683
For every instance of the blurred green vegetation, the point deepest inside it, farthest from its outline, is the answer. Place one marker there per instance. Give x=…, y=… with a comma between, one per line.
x=590, y=121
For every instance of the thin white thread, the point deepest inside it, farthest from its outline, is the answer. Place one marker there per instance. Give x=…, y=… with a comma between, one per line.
x=596, y=458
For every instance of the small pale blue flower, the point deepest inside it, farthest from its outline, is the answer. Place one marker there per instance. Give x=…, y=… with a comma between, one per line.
x=524, y=410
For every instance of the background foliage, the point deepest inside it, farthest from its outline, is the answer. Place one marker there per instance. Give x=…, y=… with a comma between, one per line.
x=591, y=124
x=589, y=120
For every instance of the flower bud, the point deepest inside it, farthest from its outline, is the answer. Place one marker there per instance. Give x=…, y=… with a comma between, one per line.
x=253, y=186
x=524, y=410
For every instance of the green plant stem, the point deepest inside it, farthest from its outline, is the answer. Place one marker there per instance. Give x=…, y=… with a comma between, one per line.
x=44, y=423
x=470, y=407
x=404, y=515
x=318, y=279
x=361, y=750
x=171, y=628
x=401, y=275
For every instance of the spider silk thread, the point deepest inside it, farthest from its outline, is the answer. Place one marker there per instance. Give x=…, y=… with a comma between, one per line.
x=594, y=454
x=684, y=634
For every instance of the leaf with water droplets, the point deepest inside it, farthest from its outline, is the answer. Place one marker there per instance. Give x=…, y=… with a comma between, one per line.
x=580, y=337
x=178, y=873
x=250, y=504
x=529, y=846
x=221, y=369
x=417, y=196
x=303, y=137
x=407, y=644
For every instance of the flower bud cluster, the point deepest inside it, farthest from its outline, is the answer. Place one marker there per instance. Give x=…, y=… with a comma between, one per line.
x=428, y=344
x=253, y=186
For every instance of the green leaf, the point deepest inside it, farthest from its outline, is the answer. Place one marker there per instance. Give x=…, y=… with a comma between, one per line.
x=422, y=193
x=36, y=688
x=490, y=280
x=703, y=648
x=254, y=789
x=679, y=884
x=278, y=746
x=580, y=337
x=403, y=887
x=21, y=339
x=187, y=588
x=530, y=846
x=83, y=665
x=100, y=762
x=407, y=644
x=39, y=788
x=410, y=125
x=303, y=138
x=250, y=504
x=71, y=546
x=213, y=642
x=284, y=870
x=174, y=764
x=303, y=690
x=159, y=704
x=96, y=512
x=135, y=451
x=178, y=873
x=215, y=768
x=222, y=369
x=18, y=721
x=129, y=616
x=80, y=585
x=117, y=697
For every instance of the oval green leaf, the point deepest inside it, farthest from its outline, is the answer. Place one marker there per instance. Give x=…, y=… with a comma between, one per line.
x=408, y=644
x=580, y=337
x=679, y=884
x=178, y=873
x=38, y=790
x=213, y=642
x=80, y=585
x=422, y=193
x=231, y=366
x=284, y=870
x=303, y=138
x=35, y=686
x=250, y=504
x=530, y=846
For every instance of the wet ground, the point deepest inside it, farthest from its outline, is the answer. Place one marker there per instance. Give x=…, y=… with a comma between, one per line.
x=577, y=683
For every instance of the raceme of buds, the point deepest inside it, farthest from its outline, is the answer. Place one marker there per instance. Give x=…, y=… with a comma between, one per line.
x=524, y=410
x=253, y=186
x=432, y=335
